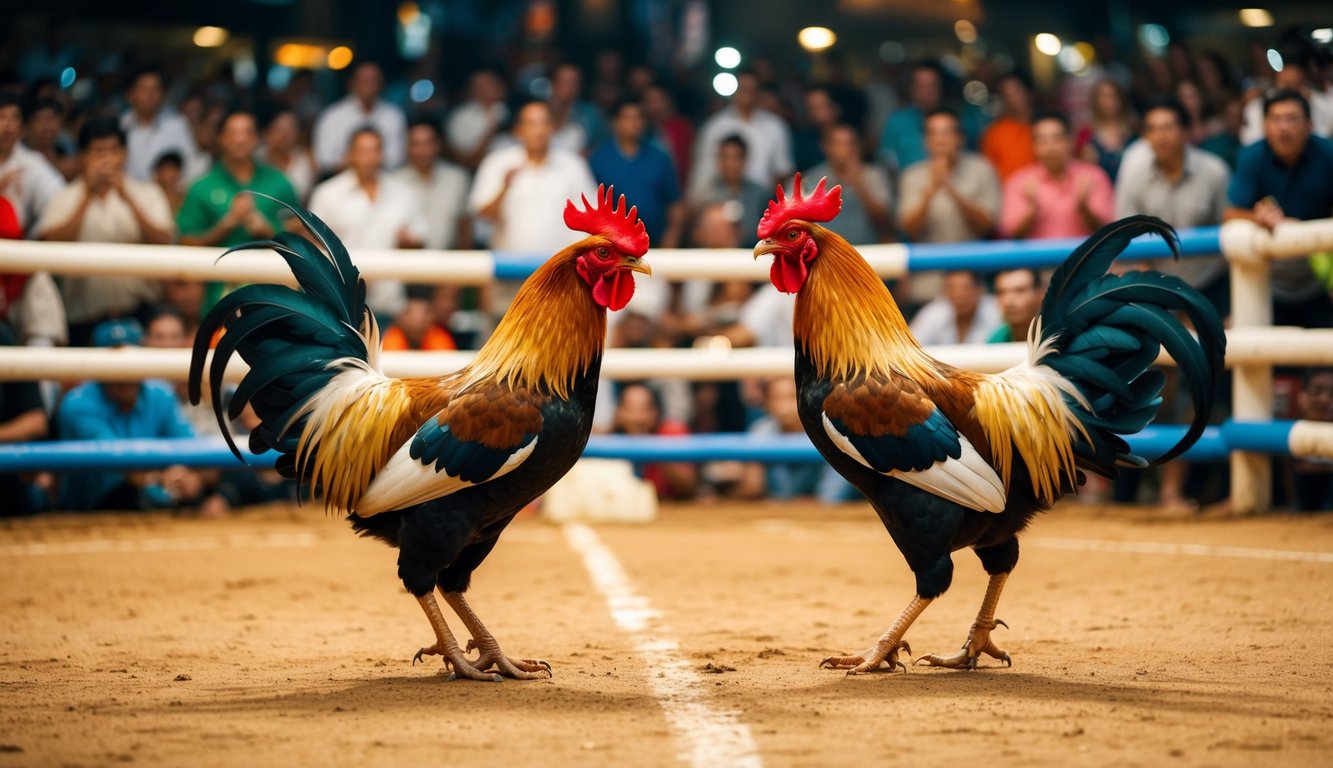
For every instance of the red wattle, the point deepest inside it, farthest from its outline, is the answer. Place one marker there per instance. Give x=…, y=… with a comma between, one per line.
x=614, y=290
x=788, y=274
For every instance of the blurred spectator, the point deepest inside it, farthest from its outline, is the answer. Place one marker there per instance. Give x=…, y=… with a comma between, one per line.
x=44, y=134
x=361, y=106
x=522, y=188
x=639, y=412
x=1296, y=74
x=642, y=173
x=104, y=205
x=27, y=180
x=371, y=210
x=125, y=410
x=1164, y=176
x=47, y=58
x=1314, y=476
x=1226, y=143
x=1202, y=123
x=186, y=299
x=22, y=420
x=1018, y=293
x=578, y=125
x=415, y=328
x=283, y=150
x=149, y=129
x=953, y=196
x=440, y=187
x=1007, y=143
x=768, y=158
x=168, y=177
x=1057, y=196
x=1111, y=128
x=866, y=192
x=731, y=185
x=822, y=113
x=674, y=133
x=476, y=122
x=784, y=482
x=963, y=314
x=1287, y=175
x=903, y=141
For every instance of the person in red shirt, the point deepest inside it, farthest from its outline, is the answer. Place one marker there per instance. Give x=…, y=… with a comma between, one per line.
x=1007, y=143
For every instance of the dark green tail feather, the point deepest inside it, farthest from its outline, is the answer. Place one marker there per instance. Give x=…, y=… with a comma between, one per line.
x=1110, y=328
x=289, y=337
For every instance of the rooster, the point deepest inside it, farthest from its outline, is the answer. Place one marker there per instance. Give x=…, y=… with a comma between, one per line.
x=951, y=458
x=436, y=467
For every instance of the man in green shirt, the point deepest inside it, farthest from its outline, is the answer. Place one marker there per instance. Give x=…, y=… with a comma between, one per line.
x=1019, y=293
x=219, y=209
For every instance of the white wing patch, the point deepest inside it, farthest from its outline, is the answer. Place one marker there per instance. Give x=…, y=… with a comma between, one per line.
x=968, y=480
x=405, y=481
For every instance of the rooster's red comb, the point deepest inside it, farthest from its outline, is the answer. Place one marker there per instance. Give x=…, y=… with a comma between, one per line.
x=611, y=220
x=821, y=205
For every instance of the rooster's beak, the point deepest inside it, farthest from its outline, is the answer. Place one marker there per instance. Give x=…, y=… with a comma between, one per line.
x=636, y=265
x=764, y=247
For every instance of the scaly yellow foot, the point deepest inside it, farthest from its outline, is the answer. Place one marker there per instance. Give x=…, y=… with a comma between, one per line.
x=870, y=659
x=978, y=642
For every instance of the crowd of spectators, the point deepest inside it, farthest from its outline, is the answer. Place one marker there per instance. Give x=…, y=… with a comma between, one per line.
x=1191, y=137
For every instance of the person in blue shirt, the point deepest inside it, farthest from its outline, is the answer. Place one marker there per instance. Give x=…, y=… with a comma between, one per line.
x=1287, y=175
x=903, y=140
x=642, y=172
x=104, y=410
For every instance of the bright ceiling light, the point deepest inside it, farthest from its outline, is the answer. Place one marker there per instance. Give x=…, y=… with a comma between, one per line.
x=965, y=31
x=340, y=57
x=816, y=38
x=1322, y=35
x=727, y=57
x=1047, y=43
x=1256, y=17
x=1275, y=60
x=725, y=84
x=211, y=37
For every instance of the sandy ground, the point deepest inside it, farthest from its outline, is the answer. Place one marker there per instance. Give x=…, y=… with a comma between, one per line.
x=277, y=638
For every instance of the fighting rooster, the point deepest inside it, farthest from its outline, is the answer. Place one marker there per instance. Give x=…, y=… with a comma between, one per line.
x=951, y=458
x=436, y=467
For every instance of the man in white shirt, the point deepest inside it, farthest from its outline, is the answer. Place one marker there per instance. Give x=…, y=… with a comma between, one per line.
x=362, y=106
x=522, y=188
x=441, y=187
x=963, y=314
x=369, y=209
x=474, y=123
x=104, y=205
x=1294, y=75
x=27, y=180
x=769, y=159
x=150, y=131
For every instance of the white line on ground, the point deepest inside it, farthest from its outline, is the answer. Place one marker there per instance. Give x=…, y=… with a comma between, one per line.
x=711, y=738
x=1195, y=550
x=181, y=544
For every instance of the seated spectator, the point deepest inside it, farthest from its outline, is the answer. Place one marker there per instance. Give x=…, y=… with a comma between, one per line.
x=369, y=209
x=1019, y=293
x=822, y=113
x=903, y=141
x=362, y=106
x=669, y=130
x=27, y=181
x=731, y=184
x=282, y=149
x=1314, y=477
x=1057, y=196
x=473, y=125
x=784, y=482
x=639, y=412
x=22, y=420
x=953, y=196
x=441, y=187
x=1164, y=176
x=150, y=129
x=221, y=209
x=105, y=205
x=1287, y=175
x=867, y=195
x=415, y=327
x=578, y=125
x=185, y=298
x=963, y=314
x=168, y=176
x=43, y=133
x=1007, y=142
x=124, y=410
x=1103, y=140
x=642, y=173
x=1296, y=74
x=766, y=138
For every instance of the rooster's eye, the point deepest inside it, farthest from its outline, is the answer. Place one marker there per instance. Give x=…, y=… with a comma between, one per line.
x=791, y=234
x=603, y=252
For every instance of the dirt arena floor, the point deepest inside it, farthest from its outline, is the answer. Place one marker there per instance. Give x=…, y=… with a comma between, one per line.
x=276, y=637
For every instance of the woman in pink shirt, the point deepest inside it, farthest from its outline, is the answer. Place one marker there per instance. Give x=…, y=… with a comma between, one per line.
x=1059, y=195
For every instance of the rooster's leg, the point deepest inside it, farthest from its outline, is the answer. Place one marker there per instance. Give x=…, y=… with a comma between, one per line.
x=978, y=639
x=489, y=649
x=886, y=650
x=447, y=646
